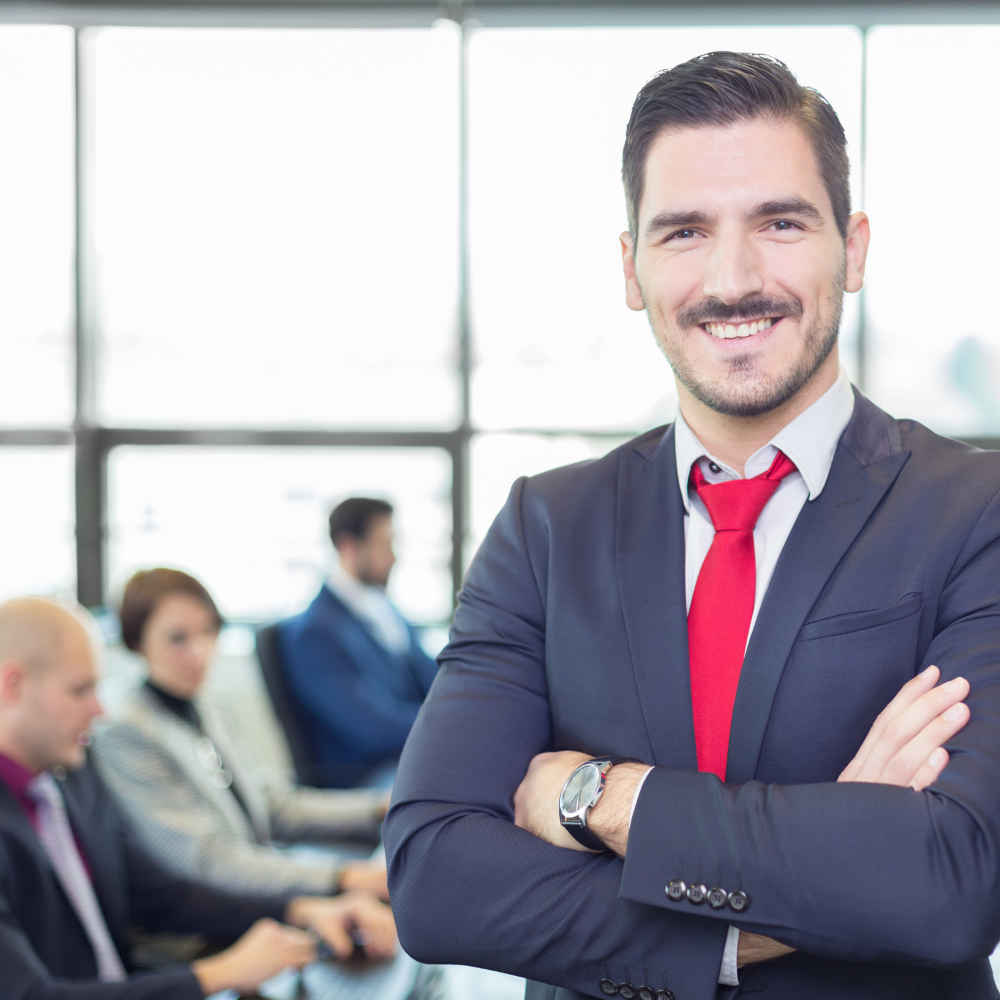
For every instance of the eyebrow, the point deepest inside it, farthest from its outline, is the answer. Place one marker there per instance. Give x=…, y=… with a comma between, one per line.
x=671, y=220
x=786, y=206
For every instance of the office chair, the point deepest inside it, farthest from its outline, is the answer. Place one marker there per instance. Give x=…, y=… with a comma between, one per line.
x=284, y=704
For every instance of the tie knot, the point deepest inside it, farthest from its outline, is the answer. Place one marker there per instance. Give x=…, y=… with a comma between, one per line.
x=42, y=789
x=735, y=505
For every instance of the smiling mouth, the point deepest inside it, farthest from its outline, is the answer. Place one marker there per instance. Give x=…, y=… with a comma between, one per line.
x=729, y=331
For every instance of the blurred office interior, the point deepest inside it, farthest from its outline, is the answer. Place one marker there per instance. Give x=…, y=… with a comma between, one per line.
x=259, y=256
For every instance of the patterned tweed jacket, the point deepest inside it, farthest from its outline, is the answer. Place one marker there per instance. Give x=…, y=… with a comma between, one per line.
x=156, y=764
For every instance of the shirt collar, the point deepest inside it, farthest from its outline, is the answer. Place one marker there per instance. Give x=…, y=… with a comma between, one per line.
x=15, y=776
x=810, y=440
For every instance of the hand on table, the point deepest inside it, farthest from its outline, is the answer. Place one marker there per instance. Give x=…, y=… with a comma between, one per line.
x=368, y=876
x=337, y=917
x=264, y=951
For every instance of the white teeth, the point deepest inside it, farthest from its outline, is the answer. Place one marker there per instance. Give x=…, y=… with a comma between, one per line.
x=727, y=331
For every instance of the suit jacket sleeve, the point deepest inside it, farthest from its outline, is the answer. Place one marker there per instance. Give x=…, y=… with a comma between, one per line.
x=161, y=902
x=23, y=976
x=424, y=668
x=467, y=885
x=365, y=715
x=859, y=871
x=169, y=818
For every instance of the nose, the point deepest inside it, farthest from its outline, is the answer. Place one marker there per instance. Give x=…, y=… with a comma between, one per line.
x=734, y=268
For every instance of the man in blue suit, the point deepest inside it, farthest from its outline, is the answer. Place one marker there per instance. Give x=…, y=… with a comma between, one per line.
x=638, y=771
x=352, y=662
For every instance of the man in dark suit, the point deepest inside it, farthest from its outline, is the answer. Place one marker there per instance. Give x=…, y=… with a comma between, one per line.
x=74, y=879
x=729, y=602
x=352, y=661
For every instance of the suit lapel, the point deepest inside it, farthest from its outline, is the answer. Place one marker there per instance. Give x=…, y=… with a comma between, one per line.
x=867, y=462
x=15, y=821
x=649, y=558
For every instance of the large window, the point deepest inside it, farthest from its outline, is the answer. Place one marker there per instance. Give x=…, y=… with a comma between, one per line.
x=250, y=266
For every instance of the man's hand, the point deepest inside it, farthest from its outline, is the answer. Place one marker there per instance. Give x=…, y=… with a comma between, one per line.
x=905, y=746
x=341, y=919
x=264, y=951
x=536, y=801
x=368, y=876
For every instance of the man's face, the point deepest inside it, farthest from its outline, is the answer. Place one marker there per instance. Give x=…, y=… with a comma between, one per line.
x=370, y=559
x=57, y=705
x=739, y=263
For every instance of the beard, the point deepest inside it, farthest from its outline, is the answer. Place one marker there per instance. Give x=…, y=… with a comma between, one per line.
x=746, y=390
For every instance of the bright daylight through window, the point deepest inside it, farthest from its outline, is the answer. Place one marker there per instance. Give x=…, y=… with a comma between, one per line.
x=270, y=247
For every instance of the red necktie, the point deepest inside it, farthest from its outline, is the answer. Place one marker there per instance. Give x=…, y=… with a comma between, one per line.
x=722, y=605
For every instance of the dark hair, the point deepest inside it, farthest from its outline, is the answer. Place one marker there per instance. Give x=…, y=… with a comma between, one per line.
x=354, y=516
x=145, y=591
x=723, y=88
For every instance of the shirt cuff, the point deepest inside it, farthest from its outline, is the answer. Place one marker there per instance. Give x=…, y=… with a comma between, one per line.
x=729, y=975
x=635, y=797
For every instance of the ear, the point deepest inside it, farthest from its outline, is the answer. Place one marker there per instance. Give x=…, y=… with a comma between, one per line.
x=12, y=680
x=856, y=249
x=633, y=294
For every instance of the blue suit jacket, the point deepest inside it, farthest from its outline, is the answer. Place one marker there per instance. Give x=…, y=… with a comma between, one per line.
x=357, y=699
x=44, y=951
x=571, y=633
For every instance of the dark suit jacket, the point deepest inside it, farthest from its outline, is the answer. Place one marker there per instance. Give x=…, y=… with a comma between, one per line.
x=571, y=634
x=44, y=950
x=358, y=700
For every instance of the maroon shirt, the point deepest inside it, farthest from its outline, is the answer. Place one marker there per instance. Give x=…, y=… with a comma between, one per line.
x=17, y=778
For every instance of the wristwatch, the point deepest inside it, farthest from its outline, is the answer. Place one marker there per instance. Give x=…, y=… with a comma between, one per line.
x=582, y=791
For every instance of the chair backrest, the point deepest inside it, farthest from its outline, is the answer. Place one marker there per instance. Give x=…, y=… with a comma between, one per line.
x=285, y=707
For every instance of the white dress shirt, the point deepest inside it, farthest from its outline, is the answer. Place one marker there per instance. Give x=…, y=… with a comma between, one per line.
x=810, y=441
x=371, y=605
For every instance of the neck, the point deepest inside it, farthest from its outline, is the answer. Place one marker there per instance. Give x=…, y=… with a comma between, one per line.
x=735, y=439
x=11, y=749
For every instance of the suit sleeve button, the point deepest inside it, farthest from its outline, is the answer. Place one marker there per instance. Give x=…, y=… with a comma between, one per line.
x=608, y=986
x=628, y=991
x=646, y=993
x=717, y=898
x=664, y=995
x=696, y=893
x=676, y=888
x=738, y=901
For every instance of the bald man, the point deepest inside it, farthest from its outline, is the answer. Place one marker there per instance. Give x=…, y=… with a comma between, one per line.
x=72, y=876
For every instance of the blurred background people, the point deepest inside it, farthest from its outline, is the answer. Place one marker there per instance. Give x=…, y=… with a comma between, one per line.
x=188, y=778
x=352, y=661
x=73, y=877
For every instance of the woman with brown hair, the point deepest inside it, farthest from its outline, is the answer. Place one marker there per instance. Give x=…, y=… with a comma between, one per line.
x=187, y=776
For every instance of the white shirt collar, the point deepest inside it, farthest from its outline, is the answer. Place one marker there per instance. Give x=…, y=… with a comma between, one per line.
x=810, y=441
x=372, y=606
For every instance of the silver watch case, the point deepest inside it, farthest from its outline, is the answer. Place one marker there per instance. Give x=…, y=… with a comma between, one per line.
x=581, y=792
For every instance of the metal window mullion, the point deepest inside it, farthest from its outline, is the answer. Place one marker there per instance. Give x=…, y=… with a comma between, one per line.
x=91, y=453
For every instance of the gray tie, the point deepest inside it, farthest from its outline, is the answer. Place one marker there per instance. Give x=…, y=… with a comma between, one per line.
x=57, y=838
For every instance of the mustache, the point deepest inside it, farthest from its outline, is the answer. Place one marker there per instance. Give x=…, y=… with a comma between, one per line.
x=714, y=310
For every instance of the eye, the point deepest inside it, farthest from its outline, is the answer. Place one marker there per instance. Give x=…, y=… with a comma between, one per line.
x=683, y=234
x=176, y=638
x=783, y=225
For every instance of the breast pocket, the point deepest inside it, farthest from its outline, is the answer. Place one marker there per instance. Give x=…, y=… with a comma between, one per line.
x=861, y=621
x=842, y=671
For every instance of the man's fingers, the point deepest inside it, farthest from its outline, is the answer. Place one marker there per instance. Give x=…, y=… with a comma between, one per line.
x=904, y=766
x=907, y=725
x=913, y=689
x=930, y=770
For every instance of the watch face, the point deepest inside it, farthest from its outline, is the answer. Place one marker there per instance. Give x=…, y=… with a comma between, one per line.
x=579, y=791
